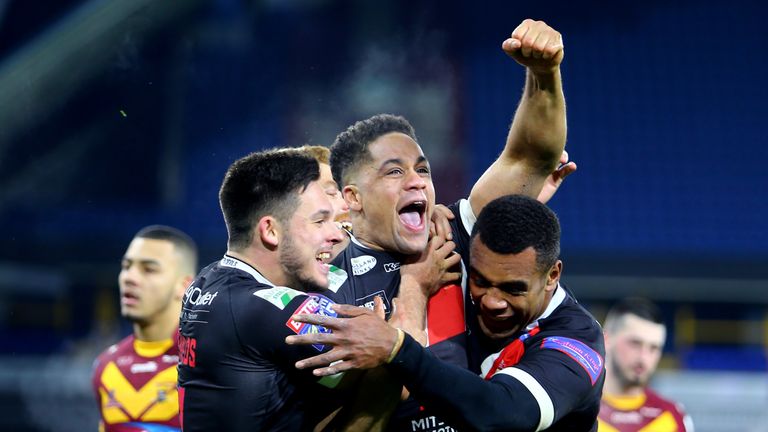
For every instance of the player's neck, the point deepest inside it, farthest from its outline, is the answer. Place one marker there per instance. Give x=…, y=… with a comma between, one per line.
x=615, y=388
x=362, y=236
x=159, y=329
x=266, y=262
x=364, y=232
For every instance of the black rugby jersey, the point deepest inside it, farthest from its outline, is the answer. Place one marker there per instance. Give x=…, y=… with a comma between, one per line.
x=359, y=274
x=236, y=372
x=548, y=377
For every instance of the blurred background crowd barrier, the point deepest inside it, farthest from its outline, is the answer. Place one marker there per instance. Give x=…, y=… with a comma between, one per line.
x=119, y=114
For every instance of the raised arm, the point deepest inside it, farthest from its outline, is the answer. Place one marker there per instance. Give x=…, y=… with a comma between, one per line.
x=536, y=138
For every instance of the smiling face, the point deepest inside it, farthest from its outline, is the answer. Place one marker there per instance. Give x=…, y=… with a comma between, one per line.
x=151, y=280
x=308, y=239
x=508, y=290
x=391, y=197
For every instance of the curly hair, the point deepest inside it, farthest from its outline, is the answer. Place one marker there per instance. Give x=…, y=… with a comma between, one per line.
x=512, y=223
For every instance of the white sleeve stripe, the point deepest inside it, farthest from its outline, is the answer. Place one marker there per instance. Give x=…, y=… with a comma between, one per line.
x=468, y=217
x=546, y=407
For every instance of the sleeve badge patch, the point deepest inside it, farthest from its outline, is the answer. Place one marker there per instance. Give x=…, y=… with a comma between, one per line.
x=585, y=356
x=315, y=304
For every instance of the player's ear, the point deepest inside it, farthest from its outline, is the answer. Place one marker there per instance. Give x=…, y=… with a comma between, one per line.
x=352, y=197
x=268, y=230
x=553, y=275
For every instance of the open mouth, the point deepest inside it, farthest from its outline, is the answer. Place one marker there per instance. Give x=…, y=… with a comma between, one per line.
x=129, y=298
x=323, y=257
x=412, y=215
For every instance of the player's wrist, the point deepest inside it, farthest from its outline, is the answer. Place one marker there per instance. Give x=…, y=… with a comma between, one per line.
x=416, y=287
x=398, y=344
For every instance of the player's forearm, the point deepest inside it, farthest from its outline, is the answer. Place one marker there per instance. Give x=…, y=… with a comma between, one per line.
x=534, y=144
x=461, y=395
x=410, y=315
x=539, y=129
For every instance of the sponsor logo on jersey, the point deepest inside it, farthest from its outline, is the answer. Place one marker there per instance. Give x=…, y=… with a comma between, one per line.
x=124, y=360
x=362, y=264
x=194, y=295
x=315, y=304
x=336, y=278
x=650, y=411
x=390, y=267
x=632, y=417
x=430, y=424
x=367, y=301
x=587, y=358
x=188, y=350
x=147, y=367
x=169, y=358
x=278, y=296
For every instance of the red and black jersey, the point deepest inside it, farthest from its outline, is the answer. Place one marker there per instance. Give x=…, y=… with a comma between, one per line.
x=647, y=412
x=360, y=273
x=236, y=372
x=547, y=377
x=135, y=384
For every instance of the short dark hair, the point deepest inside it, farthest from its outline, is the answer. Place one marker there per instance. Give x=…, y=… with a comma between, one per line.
x=350, y=148
x=512, y=223
x=181, y=241
x=263, y=183
x=638, y=306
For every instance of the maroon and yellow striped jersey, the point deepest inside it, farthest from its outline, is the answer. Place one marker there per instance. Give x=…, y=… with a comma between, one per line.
x=135, y=383
x=647, y=412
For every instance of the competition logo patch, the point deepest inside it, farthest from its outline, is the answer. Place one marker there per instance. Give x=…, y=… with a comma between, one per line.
x=587, y=358
x=362, y=264
x=336, y=278
x=278, y=296
x=315, y=304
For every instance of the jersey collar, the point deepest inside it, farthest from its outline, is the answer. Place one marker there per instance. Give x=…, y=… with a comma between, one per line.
x=557, y=299
x=232, y=262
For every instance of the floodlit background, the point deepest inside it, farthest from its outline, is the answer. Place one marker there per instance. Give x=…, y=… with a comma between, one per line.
x=119, y=114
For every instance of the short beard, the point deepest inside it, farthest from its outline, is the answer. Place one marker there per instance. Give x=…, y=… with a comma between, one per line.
x=293, y=265
x=624, y=381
